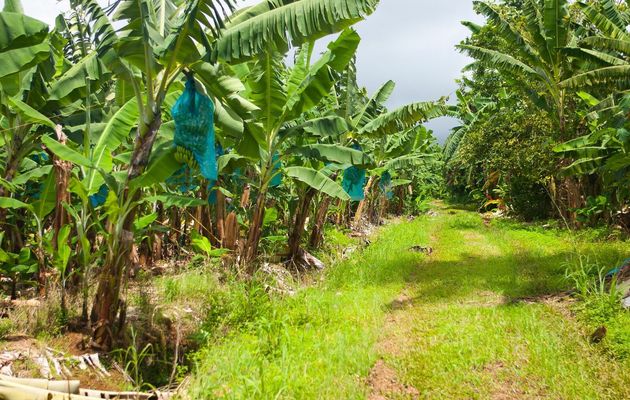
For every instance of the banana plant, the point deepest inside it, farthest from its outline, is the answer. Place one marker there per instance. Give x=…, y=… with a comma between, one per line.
x=40, y=85
x=397, y=155
x=610, y=41
x=16, y=267
x=539, y=49
x=605, y=150
x=284, y=97
x=358, y=118
x=156, y=42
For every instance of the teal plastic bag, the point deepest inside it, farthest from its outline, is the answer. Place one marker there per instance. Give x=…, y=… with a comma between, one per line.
x=193, y=114
x=98, y=199
x=353, y=181
x=385, y=184
x=277, y=178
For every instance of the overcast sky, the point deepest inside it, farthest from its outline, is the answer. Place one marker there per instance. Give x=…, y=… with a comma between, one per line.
x=409, y=41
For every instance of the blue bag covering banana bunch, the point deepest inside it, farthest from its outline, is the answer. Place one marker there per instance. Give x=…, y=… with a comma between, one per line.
x=385, y=185
x=277, y=164
x=354, y=180
x=193, y=114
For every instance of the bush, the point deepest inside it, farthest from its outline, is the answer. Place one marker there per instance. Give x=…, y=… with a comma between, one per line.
x=529, y=199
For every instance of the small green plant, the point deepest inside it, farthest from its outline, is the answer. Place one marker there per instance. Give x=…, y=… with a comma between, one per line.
x=594, y=208
x=202, y=244
x=133, y=359
x=18, y=267
x=600, y=299
x=60, y=257
x=422, y=204
x=171, y=289
x=580, y=274
x=273, y=333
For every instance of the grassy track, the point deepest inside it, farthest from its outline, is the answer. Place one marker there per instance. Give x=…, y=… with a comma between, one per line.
x=467, y=322
x=474, y=323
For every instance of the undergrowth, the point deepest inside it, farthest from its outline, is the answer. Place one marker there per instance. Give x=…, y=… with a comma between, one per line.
x=600, y=303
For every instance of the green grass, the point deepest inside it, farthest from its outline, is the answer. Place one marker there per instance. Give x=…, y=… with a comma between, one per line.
x=319, y=343
x=464, y=329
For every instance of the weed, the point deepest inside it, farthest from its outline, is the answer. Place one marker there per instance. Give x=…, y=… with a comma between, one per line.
x=133, y=359
x=600, y=304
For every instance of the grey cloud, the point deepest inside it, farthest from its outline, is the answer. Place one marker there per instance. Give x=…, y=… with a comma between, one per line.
x=412, y=42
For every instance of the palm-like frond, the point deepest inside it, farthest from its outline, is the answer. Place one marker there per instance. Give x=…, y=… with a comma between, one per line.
x=610, y=47
x=374, y=104
x=406, y=161
x=618, y=75
x=97, y=25
x=404, y=118
x=536, y=28
x=611, y=10
x=508, y=30
x=501, y=61
x=319, y=80
x=266, y=89
x=599, y=58
x=601, y=21
x=289, y=22
x=609, y=44
x=555, y=20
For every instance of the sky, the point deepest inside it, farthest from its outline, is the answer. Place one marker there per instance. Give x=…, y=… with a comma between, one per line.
x=408, y=41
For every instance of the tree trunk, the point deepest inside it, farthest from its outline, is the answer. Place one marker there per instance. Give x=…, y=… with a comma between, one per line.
x=62, y=171
x=255, y=229
x=107, y=303
x=14, y=241
x=220, y=217
x=317, y=233
x=157, y=236
x=301, y=215
x=366, y=192
x=339, y=218
x=232, y=231
x=382, y=209
x=401, y=200
x=196, y=217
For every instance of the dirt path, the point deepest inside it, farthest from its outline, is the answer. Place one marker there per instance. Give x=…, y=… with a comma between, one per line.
x=469, y=324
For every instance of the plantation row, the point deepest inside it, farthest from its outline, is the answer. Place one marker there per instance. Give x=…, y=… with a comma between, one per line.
x=544, y=111
x=150, y=129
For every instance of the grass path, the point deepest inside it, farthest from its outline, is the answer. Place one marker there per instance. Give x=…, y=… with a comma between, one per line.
x=469, y=321
x=474, y=322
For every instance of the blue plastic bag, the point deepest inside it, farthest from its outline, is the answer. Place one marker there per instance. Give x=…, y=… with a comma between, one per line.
x=193, y=114
x=385, y=184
